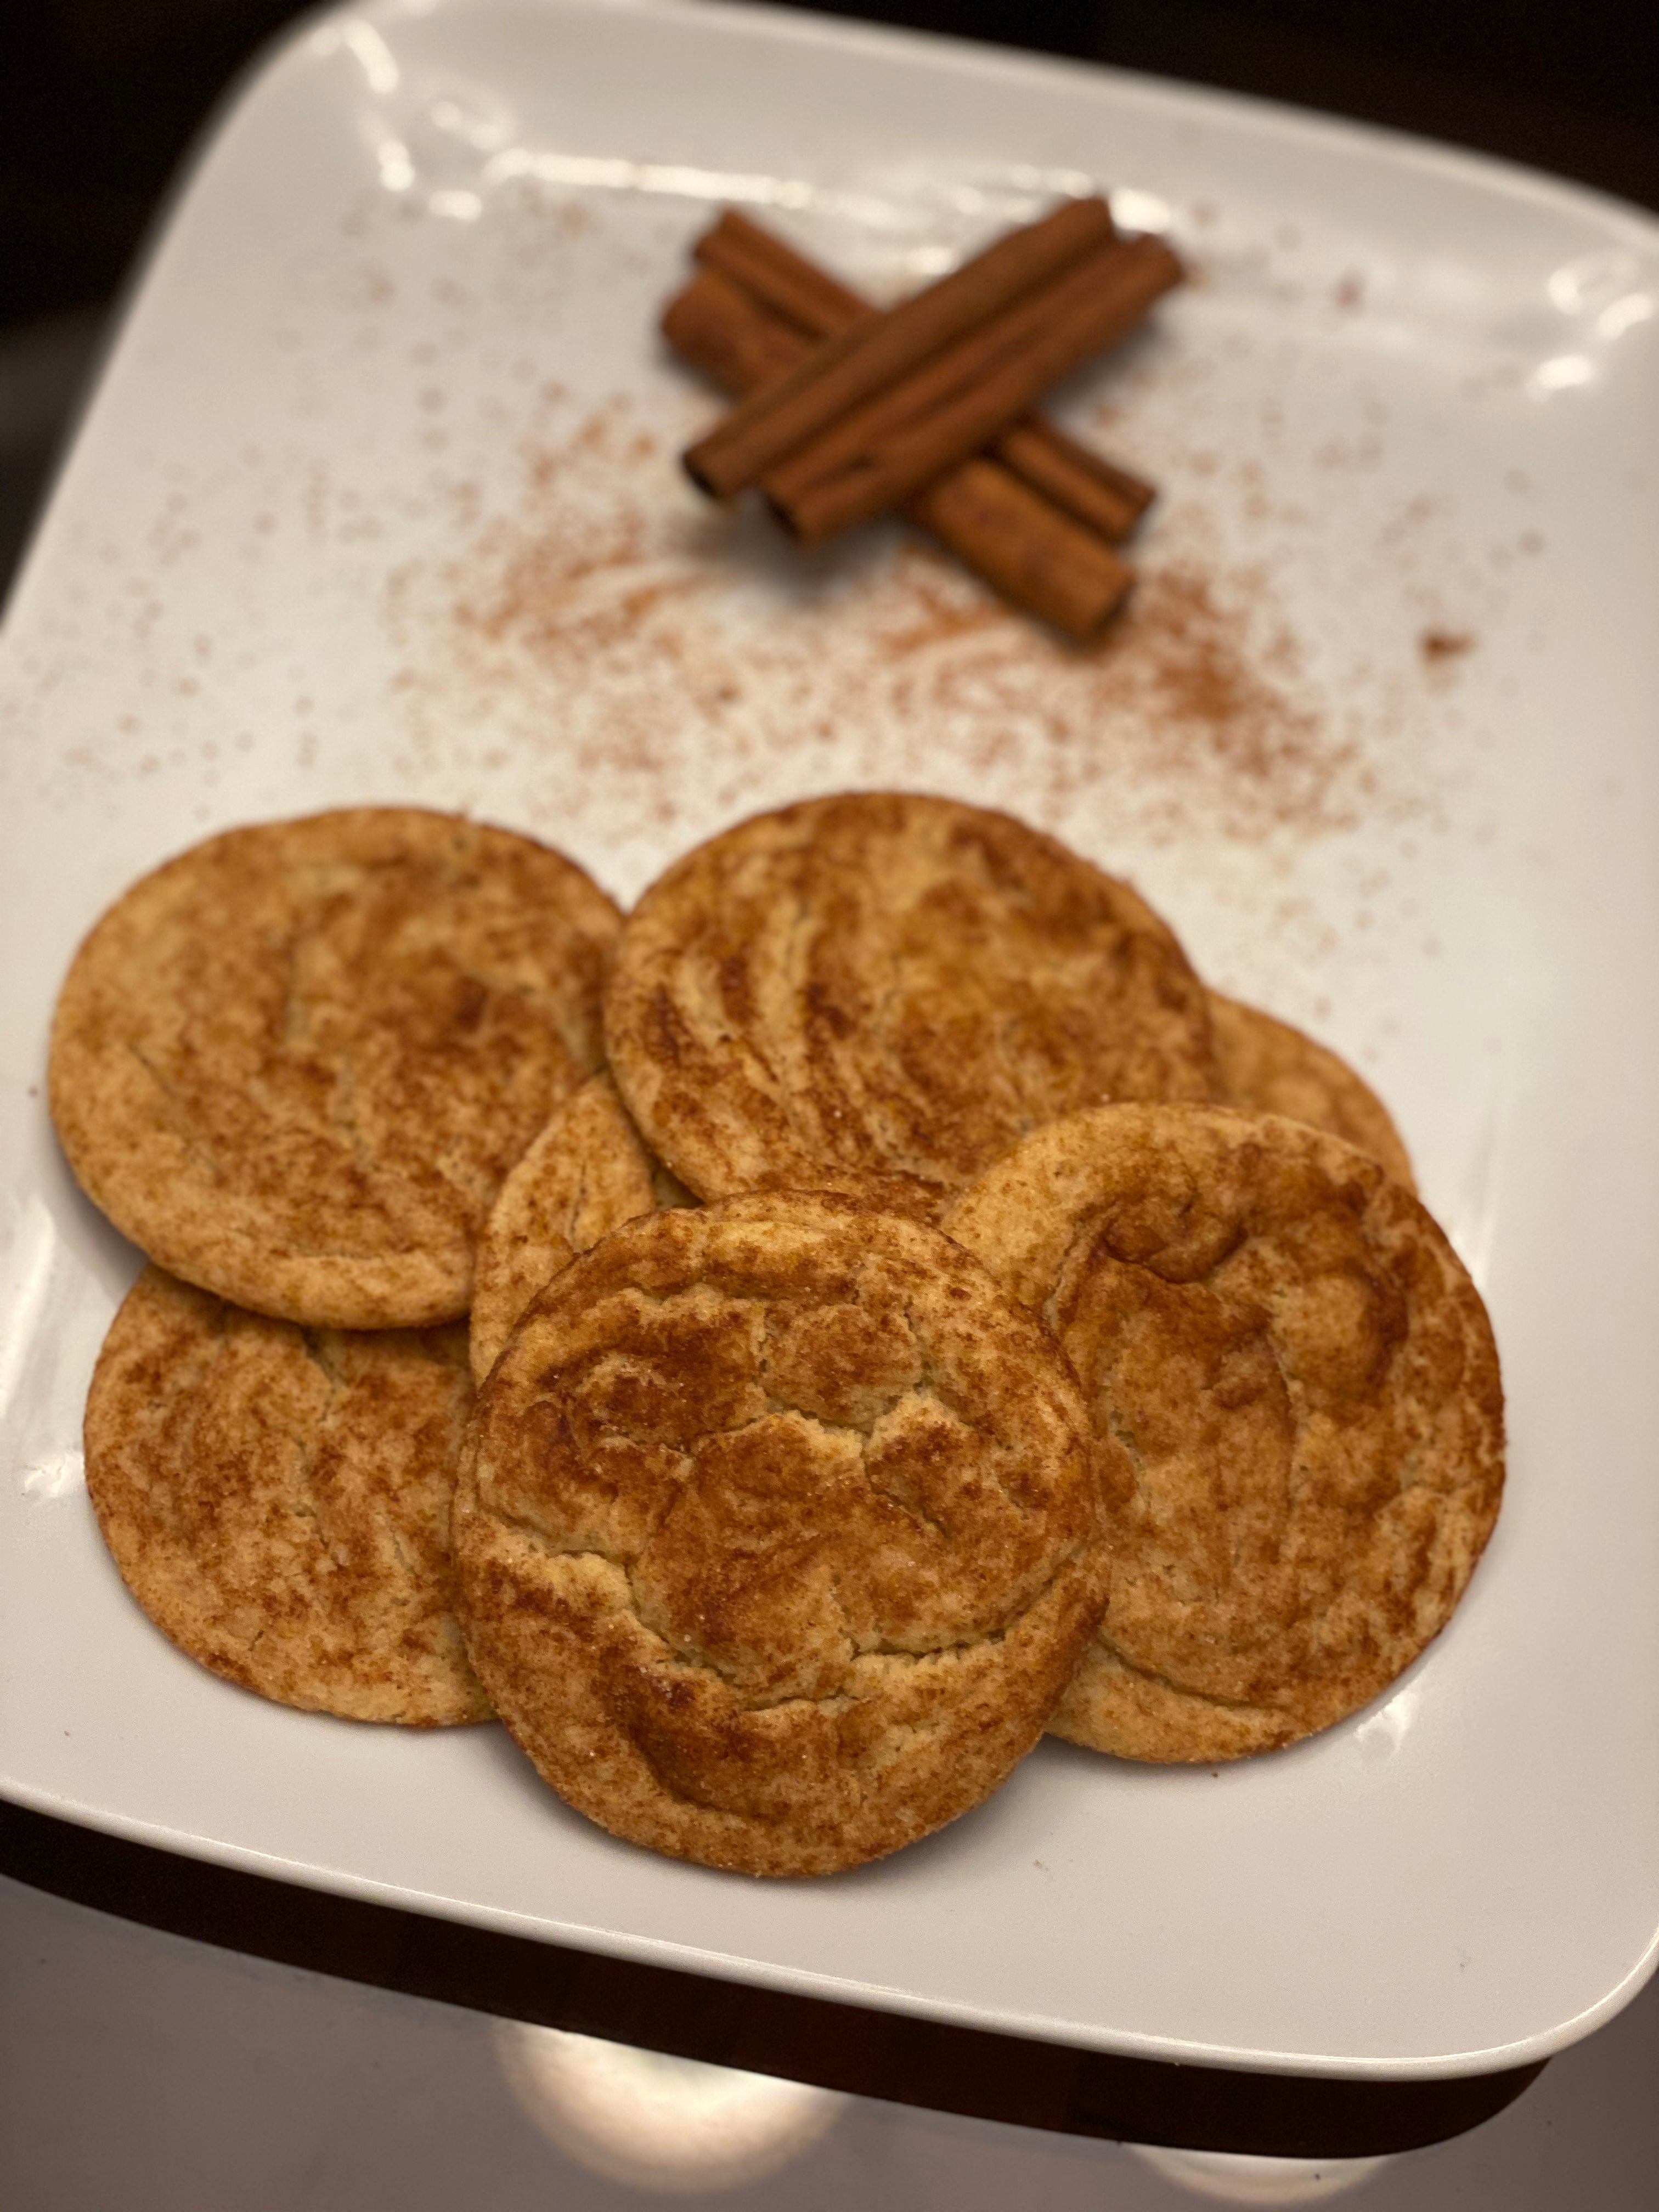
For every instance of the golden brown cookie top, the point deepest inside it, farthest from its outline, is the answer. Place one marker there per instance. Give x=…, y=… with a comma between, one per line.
x=888, y=990
x=1266, y=1067
x=776, y=1533
x=278, y=1499
x=1295, y=1399
x=295, y=1063
x=587, y=1173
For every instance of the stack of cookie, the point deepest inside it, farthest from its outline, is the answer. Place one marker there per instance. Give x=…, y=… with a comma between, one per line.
x=294, y=1065
x=925, y=1316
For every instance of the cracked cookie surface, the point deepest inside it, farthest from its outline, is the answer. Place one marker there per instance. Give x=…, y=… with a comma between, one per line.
x=278, y=1499
x=1264, y=1066
x=295, y=1063
x=1295, y=1399
x=587, y=1173
x=886, y=991
x=776, y=1533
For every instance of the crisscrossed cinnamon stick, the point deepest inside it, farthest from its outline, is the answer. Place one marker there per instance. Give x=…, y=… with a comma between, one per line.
x=1023, y=545
x=872, y=356
x=866, y=460
x=1108, y=498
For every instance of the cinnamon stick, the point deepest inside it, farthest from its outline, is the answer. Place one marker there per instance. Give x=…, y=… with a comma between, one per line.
x=780, y=278
x=1022, y=545
x=719, y=329
x=1108, y=498
x=873, y=356
x=876, y=455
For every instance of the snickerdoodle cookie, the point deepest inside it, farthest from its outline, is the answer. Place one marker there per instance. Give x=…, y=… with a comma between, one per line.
x=1296, y=1399
x=278, y=1499
x=1266, y=1067
x=587, y=1173
x=295, y=1063
x=776, y=1533
x=884, y=993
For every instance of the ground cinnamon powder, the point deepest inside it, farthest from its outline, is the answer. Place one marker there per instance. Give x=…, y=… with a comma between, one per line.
x=662, y=650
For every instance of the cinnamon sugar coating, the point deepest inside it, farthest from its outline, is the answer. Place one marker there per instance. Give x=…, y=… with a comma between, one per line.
x=1297, y=1407
x=1266, y=1067
x=278, y=1500
x=776, y=1533
x=885, y=992
x=295, y=1063
x=587, y=1173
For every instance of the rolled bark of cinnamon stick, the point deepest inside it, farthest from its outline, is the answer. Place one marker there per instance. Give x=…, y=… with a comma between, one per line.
x=871, y=357
x=887, y=448
x=719, y=329
x=1108, y=498
x=779, y=277
x=1022, y=545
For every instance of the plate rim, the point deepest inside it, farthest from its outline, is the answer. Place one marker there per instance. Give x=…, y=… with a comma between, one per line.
x=719, y=1966
x=1315, y=125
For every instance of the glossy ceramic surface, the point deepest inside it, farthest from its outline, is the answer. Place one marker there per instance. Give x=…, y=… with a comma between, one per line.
x=376, y=500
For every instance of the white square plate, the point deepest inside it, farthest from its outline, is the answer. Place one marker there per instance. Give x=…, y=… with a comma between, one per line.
x=377, y=501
